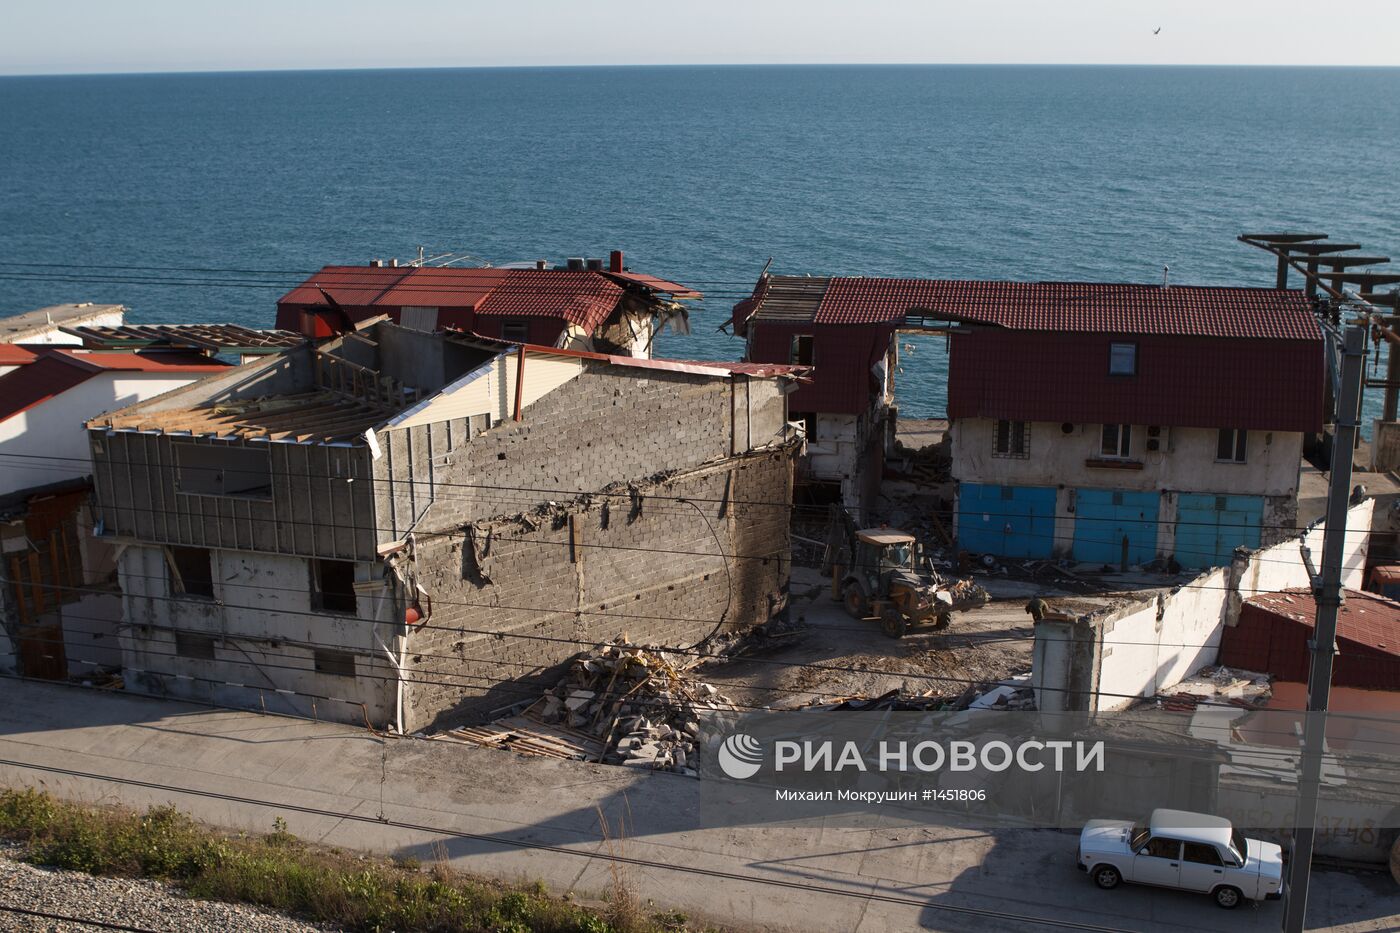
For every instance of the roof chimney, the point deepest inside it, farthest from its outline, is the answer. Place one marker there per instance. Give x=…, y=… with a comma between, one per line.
x=595, y=265
x=541, y=264
x=394, y=263
x=615, y=261
x=574, y=264
x=1165, y=271
x=376, y=263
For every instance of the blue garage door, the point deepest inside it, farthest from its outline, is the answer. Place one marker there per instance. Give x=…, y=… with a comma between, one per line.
x=1209, y=528
x=1010, y=521
x=1104, y=517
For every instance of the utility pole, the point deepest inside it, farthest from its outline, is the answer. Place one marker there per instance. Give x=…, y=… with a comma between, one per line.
x=1328, y=595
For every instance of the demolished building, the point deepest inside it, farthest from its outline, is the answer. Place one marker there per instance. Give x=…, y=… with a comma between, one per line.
x=585, y=304
x=417, y=529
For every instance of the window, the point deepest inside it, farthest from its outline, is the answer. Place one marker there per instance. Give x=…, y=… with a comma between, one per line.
x=1122, y=359
x=191, y=571
x=519, y=331
x=333, y=586
x=224, y=470
x=801, y=353
x=1201, y=854
x=194, y=645
x=339, y=663
x=1230, y=448
x=1117, y=441
x=1013, y=439
x=1161, y=847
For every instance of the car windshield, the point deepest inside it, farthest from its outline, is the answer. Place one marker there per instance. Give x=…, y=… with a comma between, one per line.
x=896, y=555
x=1138, y=838
x=1238, y=846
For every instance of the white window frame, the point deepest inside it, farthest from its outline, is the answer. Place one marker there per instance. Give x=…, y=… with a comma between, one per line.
x=1239, y=446
x=1123, y=442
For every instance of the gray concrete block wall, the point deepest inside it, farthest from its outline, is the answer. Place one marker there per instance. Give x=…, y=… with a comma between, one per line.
x=609, y=424
x=672, y=575
x=265, y=633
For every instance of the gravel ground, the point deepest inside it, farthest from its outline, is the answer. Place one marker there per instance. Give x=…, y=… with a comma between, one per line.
x=147, y=905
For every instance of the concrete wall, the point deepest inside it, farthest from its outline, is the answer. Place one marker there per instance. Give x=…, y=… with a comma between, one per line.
x=1281, y=566
x=49, y=442
x=321, y=502
x=266, y=632
x=1109, y=659
x=590, y=572
x=1187, y=464
x=609, y=424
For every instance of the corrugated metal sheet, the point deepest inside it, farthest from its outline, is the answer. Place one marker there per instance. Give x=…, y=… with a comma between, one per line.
x=56, y=370
x=1268, y=385
x=674, y=289
x=38, y=382
x=441, y=287
x=842, y=359
x=1274, y=628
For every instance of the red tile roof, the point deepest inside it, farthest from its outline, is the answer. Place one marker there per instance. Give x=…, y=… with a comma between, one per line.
x=1274, y=629
x=55, y=370
x=583, y=298
x=1085, y=307
x=1095, y=307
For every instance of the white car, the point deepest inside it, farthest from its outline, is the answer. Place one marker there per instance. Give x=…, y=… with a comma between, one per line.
x=1186, y=851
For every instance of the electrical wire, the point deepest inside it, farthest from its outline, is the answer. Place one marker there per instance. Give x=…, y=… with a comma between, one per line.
x=600, y=854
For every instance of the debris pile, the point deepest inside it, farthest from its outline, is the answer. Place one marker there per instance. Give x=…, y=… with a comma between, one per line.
x=1248, y=689
x=637, y=701
x=1014, y=693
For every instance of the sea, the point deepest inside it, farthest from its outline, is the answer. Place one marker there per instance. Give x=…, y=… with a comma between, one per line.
x=203, y=197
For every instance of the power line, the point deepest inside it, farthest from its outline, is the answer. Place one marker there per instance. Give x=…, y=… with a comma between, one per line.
x=680, y=476
x=608, y=856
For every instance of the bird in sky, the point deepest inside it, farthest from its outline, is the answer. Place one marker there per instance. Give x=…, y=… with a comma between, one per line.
x=1157, y=30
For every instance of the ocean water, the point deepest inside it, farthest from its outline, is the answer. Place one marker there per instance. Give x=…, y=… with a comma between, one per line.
x=203, y=197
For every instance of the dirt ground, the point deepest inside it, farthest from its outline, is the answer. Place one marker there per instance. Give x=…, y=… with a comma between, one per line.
x=854, y=658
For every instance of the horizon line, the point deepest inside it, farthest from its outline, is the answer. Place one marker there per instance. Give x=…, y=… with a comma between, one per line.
x=1351, y=66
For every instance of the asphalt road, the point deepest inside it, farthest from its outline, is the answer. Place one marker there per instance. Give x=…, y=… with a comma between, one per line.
x=496, y=814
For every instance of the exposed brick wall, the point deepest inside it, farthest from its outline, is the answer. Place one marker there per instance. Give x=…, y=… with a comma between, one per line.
x=669, y=574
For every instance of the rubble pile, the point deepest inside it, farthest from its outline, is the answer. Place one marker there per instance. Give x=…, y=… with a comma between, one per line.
x=639, y=702
x=1218, y=684
x=1015, y=693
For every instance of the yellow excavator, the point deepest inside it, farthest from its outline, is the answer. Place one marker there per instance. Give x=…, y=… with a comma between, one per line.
x=881, y=574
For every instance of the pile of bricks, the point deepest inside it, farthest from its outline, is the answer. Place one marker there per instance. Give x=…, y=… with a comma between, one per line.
x=639, y=702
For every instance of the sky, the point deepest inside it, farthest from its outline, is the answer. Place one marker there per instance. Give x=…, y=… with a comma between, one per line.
x=97, y=36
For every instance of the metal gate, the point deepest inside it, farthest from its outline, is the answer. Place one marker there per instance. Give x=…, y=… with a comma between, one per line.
x=1105, y=518
x=1010, y=521
x=1210, y=527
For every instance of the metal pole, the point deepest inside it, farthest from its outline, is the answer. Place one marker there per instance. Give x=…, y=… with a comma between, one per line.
x=1328, y=594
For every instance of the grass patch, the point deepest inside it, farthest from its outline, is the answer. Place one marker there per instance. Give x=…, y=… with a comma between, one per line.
x=280, y=872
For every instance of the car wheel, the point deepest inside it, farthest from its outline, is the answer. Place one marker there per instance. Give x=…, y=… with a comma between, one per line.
x=855, y=602
x=1228, y=897
x=1107, y=877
